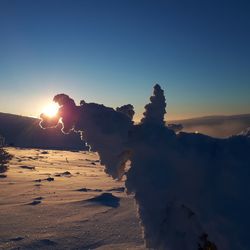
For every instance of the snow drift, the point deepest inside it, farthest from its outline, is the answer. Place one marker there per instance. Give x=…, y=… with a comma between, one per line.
x=192, y=190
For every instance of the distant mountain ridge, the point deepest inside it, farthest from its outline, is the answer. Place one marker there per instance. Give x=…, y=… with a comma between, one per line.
x=212, y=117
x=216, y=125
x=22, y=131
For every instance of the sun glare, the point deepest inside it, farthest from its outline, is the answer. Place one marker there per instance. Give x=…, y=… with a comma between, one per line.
x=51, y=109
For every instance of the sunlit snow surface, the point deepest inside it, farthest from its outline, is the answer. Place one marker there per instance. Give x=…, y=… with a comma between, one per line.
x=37, y=212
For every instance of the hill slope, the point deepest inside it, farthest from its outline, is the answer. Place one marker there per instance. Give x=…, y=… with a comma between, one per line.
x=24, y=131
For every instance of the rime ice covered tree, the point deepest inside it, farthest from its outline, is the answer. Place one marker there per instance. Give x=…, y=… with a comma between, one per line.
x=156, y=109
x=4, y=159
x=171, y=174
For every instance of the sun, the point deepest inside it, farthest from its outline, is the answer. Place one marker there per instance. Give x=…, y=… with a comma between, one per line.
x=51, y=109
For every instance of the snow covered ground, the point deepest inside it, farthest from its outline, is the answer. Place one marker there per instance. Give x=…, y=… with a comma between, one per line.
x=55, y=199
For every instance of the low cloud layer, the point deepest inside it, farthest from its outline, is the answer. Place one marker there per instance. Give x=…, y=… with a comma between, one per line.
x=191, y=190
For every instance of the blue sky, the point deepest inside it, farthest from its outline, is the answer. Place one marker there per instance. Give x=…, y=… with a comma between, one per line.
x=113, y=52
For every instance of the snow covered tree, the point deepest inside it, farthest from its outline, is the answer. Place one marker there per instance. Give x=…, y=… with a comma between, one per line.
x=4, y=159
x=156, y=109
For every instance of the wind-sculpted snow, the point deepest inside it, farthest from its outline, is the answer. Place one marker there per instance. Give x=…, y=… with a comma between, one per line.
x=246, y=132
x=156, y=109
x=192, y=190
x=104, y=129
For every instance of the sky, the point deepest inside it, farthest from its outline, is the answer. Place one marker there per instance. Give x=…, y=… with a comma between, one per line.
x=113, y=52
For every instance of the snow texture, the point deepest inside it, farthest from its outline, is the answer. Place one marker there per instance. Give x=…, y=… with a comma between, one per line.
x=192, y=190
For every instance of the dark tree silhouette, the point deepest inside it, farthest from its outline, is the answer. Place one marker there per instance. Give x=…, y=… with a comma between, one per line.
x=4, y=159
